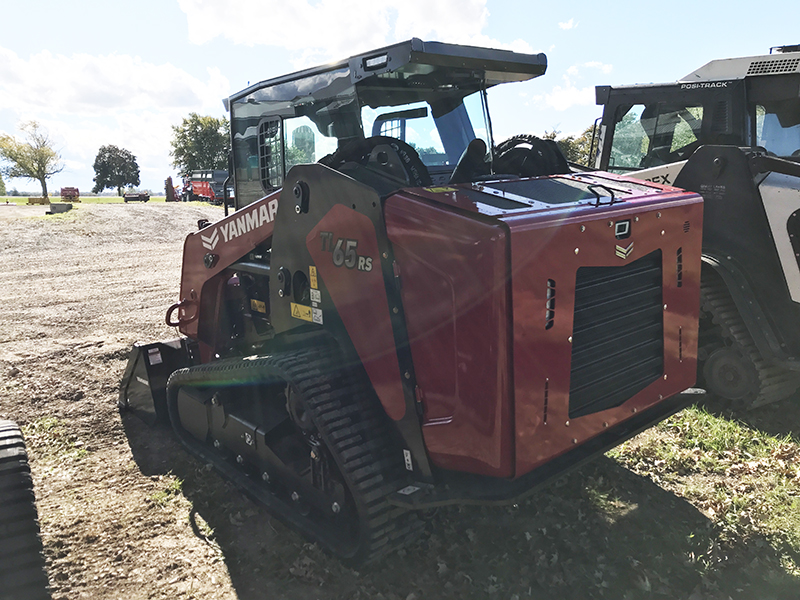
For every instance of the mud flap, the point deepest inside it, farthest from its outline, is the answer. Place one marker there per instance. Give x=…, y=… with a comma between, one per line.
x=143, y=390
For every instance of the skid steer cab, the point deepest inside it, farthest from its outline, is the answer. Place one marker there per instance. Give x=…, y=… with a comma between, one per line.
x=730, y=131
x=402, y=314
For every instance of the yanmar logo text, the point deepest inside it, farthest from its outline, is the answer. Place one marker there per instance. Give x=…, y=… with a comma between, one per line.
x=245, y=223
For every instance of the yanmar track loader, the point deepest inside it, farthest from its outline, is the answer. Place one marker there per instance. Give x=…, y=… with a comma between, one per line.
x=395, y=319
x=731, y=131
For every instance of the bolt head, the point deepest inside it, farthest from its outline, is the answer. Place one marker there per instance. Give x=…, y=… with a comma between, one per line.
x=297, y=208
x=240, y=459
x=336, y=508
x=217, y=444
x=265, y=477
x=295, y=496
x=280, y=293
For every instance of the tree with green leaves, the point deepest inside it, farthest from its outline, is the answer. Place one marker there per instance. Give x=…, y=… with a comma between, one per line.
x=576, y=149
x=2, y=186
x=200, y=143
x=33, y=158
x=114, y=168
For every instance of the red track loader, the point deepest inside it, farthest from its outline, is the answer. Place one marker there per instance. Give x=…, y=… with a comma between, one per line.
x=401, y=315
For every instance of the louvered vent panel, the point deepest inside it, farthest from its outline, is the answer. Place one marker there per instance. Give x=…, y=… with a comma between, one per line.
x=618, y=334
x=767, y=67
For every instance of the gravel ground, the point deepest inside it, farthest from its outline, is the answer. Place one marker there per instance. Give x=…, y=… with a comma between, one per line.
x=126, y=513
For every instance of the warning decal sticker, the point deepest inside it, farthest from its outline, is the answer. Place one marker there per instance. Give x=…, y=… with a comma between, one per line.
x=312, y=276
x=258, y=306
x=302, y=312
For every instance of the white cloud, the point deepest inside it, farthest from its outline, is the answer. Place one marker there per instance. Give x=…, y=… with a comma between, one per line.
x=571, y=24
x=334, y=29
x=100, y=85
x=87, y=101
x=564, y=97
x=598, y=65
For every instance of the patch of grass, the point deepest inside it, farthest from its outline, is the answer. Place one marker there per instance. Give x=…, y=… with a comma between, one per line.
x=745, y=480
x=172, y=489
x=50, y=439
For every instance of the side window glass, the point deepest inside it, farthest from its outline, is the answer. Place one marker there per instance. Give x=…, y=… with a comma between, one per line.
x=631, y=142
x=304, y=143
x=652, y=135
x=677, y=133
x=412, y=124
x=778, y=127
x=270, y=154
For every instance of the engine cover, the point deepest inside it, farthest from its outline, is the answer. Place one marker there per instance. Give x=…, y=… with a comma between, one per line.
x=542, y=312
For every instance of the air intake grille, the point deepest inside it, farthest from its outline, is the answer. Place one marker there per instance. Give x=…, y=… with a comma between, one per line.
x=767, y=67
x=618, y=334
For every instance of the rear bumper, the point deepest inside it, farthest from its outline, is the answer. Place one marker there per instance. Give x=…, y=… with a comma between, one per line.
x=466, y=488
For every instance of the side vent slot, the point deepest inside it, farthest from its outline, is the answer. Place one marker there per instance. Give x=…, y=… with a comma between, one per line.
x=679, y=266
x=680, y=344
x=550, y=312
x=546, y=395
x=721, y=121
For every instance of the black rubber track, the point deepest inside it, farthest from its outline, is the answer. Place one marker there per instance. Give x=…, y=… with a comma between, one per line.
x=352, y=425
x=22, y=573
x=721, y=325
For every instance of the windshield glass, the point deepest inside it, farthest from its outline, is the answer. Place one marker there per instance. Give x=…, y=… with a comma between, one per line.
x=277, y=127
x=652, y=135
x=778, y=127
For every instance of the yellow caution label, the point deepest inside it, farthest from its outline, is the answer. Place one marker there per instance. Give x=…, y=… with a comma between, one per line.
x=258, y=306
x=302, y=312
x=312, y=275
x=440, y=190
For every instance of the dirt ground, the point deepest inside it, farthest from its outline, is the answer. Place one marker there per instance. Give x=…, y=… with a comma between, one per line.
x=126, y=513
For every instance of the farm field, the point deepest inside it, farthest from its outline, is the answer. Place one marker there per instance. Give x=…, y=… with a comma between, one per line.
x=704, y=506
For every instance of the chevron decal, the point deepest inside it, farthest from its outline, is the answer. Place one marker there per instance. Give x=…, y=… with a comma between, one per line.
x=210, y=242
x=624, y=253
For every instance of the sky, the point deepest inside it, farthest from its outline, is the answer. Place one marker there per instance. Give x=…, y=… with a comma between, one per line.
x=101, y=72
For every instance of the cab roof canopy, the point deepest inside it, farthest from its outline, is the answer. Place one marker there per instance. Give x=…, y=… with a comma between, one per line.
x=411, y=66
